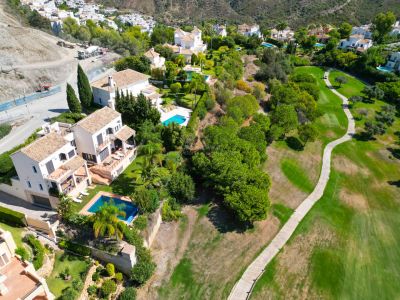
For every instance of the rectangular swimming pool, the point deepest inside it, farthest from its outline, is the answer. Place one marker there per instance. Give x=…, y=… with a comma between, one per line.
x=128, y=207
x=175, y=119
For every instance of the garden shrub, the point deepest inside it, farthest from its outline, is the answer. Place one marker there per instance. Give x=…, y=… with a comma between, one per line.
x=4, y=129
x=110, y=269
x=23, y=253
x=243, y=86
x=143, y=269
x=92, y=290
x=11, y=217
x=75, y=248
x=140, y=222
x=37, y=249
x=96, y=276
x=119, y=277
x=108, y=287
x=169, y=211
x=132, y=236
x=128, y=294
x=181, y=187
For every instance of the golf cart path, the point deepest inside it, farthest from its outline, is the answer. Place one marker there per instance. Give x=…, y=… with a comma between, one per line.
x=244, y=286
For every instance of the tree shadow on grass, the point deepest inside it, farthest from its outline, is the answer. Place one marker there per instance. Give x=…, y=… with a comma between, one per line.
x=123, y=185
x=395, y=152
x=294, y=143
x=363, y=137
x=395, y=183
x=224, y=220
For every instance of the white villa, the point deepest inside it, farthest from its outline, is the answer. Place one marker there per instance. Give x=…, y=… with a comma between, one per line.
x=156, y=60
x=67, y=158
x=394, y=62
x=396, y=29
x=51, y=163
x=357, y=42
x=106, y=144
x=282, y=35
x=220, y=30
x=249, y=30
x=127, y=81
x=187, y=43
x=364, y=30
x=18, y=279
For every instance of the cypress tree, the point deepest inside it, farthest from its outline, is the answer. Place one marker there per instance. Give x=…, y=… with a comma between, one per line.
x=84, y=89
x=73, y=103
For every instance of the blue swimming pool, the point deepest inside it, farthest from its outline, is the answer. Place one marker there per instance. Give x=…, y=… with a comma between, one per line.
x=267, y=45
x=319, y=45
x=384, y=69
x=128, y=207
x=175, y=119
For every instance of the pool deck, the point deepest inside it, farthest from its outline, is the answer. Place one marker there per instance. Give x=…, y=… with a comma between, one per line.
x=178, y=111
x=85, y=210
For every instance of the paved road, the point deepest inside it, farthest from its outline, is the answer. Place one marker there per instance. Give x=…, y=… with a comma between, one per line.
x=35, y=113
x=244, y=286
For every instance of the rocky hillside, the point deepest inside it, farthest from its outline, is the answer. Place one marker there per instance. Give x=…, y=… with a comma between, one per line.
x=297, y=12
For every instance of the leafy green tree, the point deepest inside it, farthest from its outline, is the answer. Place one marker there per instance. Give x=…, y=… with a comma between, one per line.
x=84, y=89
x=301, y=35
x=36, y=20
x=373, y=92
x=247, y=105
x=172, y=136
x=181, y=187
x=345, y=30
x=309, y=43
x=144, y=268
x=387, y=115
x=391, y=91
x=180, y=60
x=262, y=121
x=175, y=87
x=256, y=136
x=171, y=70
x=307, y=133
x=65, y=207
x=341, y=80
x=106, y=222
x=146, y=199
x=382, y=24
x=249, y=203
x=110, y=268
x=128, y=294
x=73, y=102
x=285, y=117
x=138, y=63
x=162, y=34
x=372, y=129
x=108, y=287
x=259, y=91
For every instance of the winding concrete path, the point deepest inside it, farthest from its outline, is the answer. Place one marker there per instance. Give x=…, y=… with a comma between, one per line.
x=244, y=286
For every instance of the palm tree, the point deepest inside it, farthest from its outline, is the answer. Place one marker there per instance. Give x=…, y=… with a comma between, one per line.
x=201, y=57
x=106, y=222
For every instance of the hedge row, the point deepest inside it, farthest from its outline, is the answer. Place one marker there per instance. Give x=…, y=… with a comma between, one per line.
x=75, y=248
x=37, y=249
x=194, y=118
x=11, y=217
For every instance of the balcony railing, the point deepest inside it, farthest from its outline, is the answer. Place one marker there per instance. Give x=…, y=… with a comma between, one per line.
x=105, y=143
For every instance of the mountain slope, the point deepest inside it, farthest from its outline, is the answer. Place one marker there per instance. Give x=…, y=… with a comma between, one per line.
x=296, y=12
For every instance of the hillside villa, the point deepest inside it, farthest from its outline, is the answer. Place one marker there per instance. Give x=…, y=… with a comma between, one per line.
x=126, y=81
x=187, y=43
x=157, y=61
x=18, y=279
x=249, y=30
x=359, y=42
x=66, y=158
x=282, y=35
x=393, y=63
x=220, y=30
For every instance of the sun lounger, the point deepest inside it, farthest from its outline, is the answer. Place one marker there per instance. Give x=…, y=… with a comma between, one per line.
x=77, y=200
x=84, y=194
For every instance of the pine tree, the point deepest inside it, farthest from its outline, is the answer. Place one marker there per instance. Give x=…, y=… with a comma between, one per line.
x=73, y=103
x=84, y=89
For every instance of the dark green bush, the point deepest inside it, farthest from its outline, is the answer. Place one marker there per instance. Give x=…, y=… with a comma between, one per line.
x=4, y=129
x=128, y=294
x=11, y=217
x=75, y=248
x=37, y=249
x=109, y=287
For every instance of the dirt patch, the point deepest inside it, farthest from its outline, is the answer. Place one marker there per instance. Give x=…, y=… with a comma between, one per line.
x=344, y=165
x=282, y=190
x=354, y=200
x=292, y=269
x=167, y=250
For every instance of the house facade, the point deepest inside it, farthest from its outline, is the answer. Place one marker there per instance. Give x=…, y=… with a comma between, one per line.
x=393, y=62
x=220, y=30
x=187, y=43
x=356, y=42
x=18, y=279
x=249, y=30
x=282, y=35
x=50, y=166
x=157, y=61
x=105, y=143
x=126, y=81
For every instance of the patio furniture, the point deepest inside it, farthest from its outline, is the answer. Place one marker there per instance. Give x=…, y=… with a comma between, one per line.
x=77, y=200
x=84, y=194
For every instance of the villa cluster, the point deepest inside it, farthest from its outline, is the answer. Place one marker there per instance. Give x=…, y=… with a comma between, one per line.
x=67, y=158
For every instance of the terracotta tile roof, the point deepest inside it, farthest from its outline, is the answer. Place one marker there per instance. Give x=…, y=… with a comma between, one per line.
x=151, y=53
x=99, y=119
x=70, y=166
x=44, y=146
x=125, y=133
x=121, y=80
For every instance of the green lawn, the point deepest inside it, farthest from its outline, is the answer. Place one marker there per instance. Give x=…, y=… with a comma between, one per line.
x=76, y=266
x=358, y=254
x=296, y=175
x=352, y=88
x=16, y=233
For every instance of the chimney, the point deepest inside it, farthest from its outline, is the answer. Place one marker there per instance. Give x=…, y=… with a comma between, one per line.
x=110, y=81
